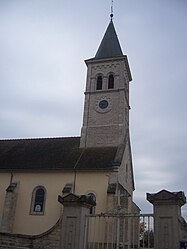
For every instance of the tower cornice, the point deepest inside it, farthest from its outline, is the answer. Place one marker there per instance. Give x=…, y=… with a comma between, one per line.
x=95, y=60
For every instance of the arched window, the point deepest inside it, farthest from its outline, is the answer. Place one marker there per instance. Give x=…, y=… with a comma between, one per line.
x=111, y=81
x=99, y=83
x=38, y=200
x=92, y=209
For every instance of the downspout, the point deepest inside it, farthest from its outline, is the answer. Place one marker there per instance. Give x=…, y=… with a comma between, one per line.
x=75, y=172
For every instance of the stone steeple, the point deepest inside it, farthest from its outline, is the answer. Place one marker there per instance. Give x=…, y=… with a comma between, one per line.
x=106, y=108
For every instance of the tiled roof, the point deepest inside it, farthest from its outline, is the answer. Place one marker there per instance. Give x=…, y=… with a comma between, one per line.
x=54, y=153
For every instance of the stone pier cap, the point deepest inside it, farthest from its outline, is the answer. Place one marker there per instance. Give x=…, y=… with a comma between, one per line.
x=164, y=196
x=72, y=199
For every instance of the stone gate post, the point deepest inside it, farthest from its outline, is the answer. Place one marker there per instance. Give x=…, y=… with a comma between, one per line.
x=73, y=220
x=167, y=218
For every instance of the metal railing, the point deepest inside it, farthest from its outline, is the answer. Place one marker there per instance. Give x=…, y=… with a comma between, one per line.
x=119, y=231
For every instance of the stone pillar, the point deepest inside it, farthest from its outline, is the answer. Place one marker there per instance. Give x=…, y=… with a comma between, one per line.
x=73, y=220
x=167, y=216
x=9, y=209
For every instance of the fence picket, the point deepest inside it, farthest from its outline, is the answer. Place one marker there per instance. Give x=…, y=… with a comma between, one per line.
x=118, y=231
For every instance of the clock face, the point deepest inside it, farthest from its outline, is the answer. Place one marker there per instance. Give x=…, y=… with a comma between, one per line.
x=103, y=105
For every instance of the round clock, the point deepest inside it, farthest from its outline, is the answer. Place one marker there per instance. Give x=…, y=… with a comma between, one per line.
x=103, y=104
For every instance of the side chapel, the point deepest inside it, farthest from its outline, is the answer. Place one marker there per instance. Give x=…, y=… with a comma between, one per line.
x=33, y=172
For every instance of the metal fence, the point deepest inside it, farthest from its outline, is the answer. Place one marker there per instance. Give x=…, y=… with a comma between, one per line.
x=119, y=231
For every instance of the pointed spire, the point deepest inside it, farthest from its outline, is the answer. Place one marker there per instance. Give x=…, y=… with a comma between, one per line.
x=110, y=46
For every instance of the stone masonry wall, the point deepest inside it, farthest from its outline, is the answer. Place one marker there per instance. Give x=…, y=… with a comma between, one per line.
x=47, y=240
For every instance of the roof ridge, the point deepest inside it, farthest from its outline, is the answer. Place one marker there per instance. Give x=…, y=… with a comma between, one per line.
x=36, y=138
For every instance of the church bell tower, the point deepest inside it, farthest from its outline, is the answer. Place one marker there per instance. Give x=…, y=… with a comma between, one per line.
x=106, y=107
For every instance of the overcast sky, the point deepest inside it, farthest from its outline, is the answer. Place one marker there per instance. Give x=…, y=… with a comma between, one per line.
x=43, y=45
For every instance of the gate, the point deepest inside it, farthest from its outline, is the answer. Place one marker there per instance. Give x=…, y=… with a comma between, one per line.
x=118, y=231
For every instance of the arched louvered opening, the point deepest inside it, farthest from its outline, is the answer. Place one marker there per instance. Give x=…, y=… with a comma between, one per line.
x=111, y=81
x=99, y=83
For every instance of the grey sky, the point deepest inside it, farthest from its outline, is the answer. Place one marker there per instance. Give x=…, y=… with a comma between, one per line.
x=43, y=45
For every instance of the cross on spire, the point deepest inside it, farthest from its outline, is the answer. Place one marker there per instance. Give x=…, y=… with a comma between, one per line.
x=111, y=13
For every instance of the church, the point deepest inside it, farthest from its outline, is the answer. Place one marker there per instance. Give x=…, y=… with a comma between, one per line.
x=33, y=172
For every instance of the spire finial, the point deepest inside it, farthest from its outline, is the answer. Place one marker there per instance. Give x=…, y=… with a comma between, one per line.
x=111, y=13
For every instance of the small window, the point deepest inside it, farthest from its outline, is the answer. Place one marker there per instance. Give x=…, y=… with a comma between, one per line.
x=68, y=188
x=99, y=83
x=38, y=200
x=111, y=81
x=92, y=209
